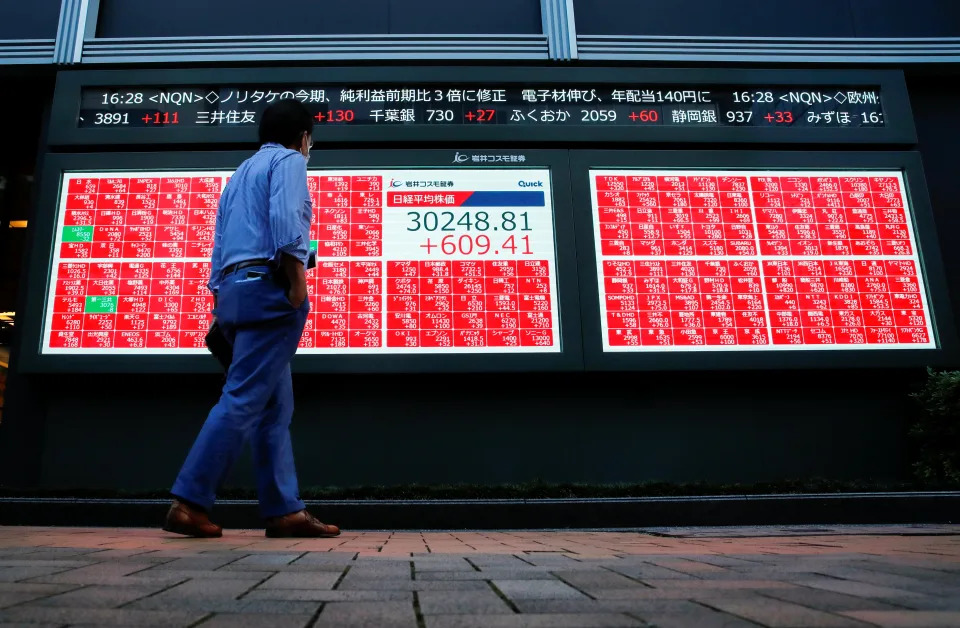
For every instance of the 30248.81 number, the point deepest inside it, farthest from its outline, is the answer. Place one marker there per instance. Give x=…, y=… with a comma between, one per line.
x=468, y=221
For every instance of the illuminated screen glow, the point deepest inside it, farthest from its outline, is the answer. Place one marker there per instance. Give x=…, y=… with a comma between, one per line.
x=713, y=260
x=409, y=261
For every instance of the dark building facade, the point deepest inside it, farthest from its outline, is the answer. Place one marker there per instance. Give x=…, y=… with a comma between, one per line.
x=582, y=411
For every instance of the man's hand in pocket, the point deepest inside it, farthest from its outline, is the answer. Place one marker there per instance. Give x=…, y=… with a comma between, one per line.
x=293, y=268
x=296, y=295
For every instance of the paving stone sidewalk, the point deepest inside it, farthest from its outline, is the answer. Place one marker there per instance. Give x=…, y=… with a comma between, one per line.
x=703, y=577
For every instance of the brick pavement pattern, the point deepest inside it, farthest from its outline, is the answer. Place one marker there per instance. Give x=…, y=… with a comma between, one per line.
x=898, y=576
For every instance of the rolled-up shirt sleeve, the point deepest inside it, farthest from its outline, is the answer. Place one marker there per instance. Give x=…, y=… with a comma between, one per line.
x=216, y=259
x=288, y=193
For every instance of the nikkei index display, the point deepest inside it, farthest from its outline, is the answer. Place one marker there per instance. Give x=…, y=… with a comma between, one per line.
x=409, y=261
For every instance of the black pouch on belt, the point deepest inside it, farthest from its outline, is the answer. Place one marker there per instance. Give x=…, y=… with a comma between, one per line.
x=217, y=345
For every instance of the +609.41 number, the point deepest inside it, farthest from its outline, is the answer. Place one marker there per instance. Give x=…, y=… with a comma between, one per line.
x=472, y=244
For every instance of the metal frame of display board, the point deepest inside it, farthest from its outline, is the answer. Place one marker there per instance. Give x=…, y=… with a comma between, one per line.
x=898, y=128
x=43, y=225
x=596, y=358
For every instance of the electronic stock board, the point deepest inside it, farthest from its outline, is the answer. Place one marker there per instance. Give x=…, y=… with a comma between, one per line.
x=736, y=256
x=480, y=258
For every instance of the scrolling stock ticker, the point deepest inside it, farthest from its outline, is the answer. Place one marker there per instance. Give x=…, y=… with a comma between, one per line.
x=700, y=105
x=409, y=261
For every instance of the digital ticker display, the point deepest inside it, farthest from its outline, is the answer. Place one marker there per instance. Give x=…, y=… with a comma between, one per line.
x=714, y=260
x=409, y=261
x=837, y=106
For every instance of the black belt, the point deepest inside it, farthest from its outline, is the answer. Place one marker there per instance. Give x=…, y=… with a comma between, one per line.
x=239, y=265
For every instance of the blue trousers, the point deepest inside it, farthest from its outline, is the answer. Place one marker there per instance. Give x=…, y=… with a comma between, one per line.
x=257, y=399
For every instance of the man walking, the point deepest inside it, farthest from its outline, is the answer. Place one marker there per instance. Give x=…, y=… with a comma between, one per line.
x=257, y=276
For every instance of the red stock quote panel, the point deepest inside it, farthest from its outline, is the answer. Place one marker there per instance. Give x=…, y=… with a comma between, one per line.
x=409, y=261
x=711, y=260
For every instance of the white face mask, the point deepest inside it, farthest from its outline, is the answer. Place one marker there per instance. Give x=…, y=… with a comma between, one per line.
x=305, y=144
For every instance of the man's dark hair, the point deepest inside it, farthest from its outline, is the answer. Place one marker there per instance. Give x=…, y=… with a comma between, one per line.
x=284, y=122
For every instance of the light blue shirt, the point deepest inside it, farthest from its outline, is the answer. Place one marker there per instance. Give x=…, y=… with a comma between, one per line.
x=264, y=211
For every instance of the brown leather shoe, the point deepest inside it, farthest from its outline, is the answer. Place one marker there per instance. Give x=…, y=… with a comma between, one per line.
x=299, y=524
x=184, y=519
